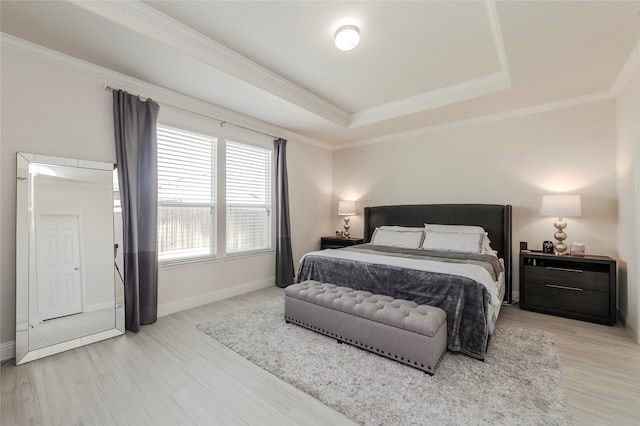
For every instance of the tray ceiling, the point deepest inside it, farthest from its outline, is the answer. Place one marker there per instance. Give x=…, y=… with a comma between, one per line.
x=418, y=63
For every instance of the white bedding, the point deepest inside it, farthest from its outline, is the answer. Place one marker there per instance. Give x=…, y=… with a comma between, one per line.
x=494, y=311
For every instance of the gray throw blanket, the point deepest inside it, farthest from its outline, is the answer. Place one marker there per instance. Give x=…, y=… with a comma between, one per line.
x=464, y=300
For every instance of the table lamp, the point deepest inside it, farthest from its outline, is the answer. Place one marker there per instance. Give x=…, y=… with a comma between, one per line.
x=560, y=206
x=346, y=209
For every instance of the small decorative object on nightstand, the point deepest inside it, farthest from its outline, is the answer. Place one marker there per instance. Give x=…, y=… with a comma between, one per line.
x=577, y=249
x=333, y=242
x=581, y=287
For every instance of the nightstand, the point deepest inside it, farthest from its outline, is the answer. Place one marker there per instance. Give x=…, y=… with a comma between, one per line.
x=333, y=242
x=582, y=288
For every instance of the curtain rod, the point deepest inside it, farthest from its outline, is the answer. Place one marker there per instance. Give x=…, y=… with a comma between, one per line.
x=222, y=122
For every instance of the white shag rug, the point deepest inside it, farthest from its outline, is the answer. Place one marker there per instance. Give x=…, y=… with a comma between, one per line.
x=519, y=383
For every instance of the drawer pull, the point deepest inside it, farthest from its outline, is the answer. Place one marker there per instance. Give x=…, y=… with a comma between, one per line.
x=563, y=287
x=565, y=269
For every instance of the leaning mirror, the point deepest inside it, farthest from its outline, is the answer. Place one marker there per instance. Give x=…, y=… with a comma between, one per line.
x=68, y=227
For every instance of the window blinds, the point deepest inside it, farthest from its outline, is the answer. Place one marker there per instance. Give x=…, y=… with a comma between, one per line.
x=186, y=194
x=248, y=197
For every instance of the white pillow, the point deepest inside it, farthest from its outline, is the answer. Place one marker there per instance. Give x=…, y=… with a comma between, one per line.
x=393, y=238
x=453, y=241
x=401, y=228
x=463, y=229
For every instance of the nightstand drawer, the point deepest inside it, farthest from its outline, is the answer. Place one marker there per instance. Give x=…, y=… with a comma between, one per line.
x=574, y=277
x=560, y=298
x=331, y=246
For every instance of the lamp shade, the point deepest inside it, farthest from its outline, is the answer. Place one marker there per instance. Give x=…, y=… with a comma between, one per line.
x=561, y=206
x=346, y=208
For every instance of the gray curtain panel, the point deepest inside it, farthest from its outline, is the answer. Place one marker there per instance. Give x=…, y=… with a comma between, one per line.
x=136, y=150
x=284, y=257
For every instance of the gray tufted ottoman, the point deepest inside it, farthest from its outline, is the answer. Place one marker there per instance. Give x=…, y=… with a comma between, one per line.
x=404, y=331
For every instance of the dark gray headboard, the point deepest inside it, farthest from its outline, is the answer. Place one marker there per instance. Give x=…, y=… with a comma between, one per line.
x=494, y=218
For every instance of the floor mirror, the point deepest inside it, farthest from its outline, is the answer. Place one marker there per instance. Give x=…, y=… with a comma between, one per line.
x=69, y=291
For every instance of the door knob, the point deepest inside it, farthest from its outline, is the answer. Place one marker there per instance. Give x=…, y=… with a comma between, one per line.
x=76, y=268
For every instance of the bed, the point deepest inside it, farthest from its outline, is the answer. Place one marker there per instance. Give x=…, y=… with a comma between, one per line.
x=452, y=281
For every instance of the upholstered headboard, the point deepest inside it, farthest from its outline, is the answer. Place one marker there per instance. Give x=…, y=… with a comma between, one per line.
x=494, y=218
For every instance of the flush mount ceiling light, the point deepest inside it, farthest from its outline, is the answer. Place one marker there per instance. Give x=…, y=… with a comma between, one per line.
x=347, y=37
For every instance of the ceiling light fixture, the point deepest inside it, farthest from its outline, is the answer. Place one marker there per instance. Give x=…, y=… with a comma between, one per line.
x=347, y=37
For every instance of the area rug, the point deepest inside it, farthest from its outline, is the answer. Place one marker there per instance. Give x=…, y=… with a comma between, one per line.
x=518, y=383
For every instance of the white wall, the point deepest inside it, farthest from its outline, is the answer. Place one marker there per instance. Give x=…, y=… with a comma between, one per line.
x=53, y=109
x=628, y=140
x=310, y=194
x=512, y=161
x=33, y=120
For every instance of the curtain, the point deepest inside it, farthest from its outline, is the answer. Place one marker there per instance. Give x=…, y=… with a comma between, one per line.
x=284, y=257
x=136, y=152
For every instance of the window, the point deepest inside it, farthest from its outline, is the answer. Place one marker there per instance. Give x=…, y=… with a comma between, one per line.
x=248, y=183
x=187, y=188
x=186, y=194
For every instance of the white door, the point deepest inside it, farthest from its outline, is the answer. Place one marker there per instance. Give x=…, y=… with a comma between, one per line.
x=58, y=256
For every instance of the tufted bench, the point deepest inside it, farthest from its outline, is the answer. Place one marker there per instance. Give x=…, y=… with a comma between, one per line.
x=404, y=331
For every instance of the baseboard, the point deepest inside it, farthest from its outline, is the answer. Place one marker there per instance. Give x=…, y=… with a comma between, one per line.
x=633, y=333
x=631, y=328
x=7, y=350
x=192, y=302
x=99, y=306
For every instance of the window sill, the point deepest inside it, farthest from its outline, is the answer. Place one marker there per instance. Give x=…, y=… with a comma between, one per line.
x=181, y=263
x=249, y=253
x=178, y=263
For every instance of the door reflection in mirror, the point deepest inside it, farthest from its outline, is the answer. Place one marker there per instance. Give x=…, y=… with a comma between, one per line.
x=67, y=292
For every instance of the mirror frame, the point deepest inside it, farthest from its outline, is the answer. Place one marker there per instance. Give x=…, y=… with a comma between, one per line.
x=25, y=252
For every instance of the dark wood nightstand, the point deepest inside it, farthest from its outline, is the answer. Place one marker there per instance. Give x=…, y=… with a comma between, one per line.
x=575, y=287
x=333, y=242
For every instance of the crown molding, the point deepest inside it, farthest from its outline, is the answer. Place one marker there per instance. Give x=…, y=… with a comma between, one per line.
x=147, y=21
x=627, y=71
x=496, y=31
x=151, y=23
x=179, y=100
x=537, y=109
x=436, y=98
x=157, y=93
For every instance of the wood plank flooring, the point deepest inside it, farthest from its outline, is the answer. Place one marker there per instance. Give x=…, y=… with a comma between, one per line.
x=600, y=367
x=173, y=374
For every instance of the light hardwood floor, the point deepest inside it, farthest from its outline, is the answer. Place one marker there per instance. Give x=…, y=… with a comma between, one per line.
x=171, y=373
